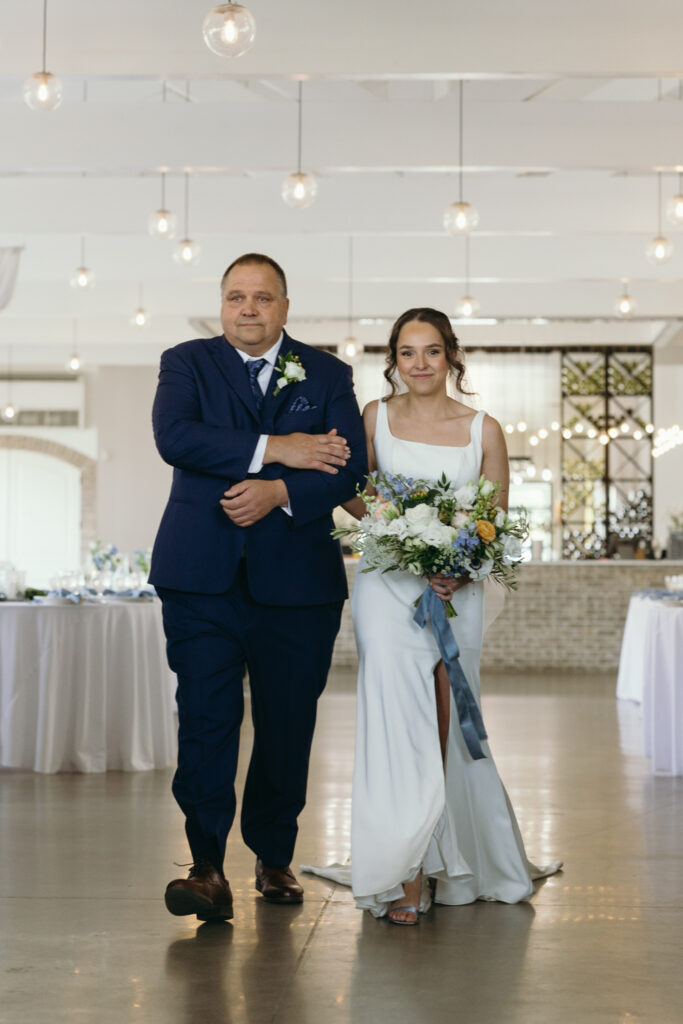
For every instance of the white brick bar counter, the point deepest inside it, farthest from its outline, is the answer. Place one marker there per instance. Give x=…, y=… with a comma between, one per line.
x=565, y=615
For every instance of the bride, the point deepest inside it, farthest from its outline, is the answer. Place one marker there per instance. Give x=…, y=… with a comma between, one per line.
x=422, y=809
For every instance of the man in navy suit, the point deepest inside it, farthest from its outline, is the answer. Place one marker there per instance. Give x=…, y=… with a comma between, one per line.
x=265, y=438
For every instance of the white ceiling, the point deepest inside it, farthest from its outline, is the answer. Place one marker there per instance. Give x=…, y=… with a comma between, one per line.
x=569, y=113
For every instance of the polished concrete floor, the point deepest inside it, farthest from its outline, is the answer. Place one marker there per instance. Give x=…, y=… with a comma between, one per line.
x=84, y=860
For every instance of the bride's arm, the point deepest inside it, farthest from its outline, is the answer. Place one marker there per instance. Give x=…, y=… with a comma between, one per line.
x=494, y=464
x=356, y=506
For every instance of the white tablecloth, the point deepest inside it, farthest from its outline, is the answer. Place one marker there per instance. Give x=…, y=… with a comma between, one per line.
x=631, y=678
x=85, y=688
x=663, y=690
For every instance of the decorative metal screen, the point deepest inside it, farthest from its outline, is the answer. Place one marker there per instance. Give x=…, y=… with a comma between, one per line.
x=606, y=452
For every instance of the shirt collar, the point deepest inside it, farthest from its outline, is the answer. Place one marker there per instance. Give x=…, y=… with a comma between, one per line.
x=270, y=356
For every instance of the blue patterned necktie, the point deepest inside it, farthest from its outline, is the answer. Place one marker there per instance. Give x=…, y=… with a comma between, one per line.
x=254, y=367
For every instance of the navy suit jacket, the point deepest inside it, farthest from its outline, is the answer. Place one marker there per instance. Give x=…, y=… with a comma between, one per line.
x=206, y=426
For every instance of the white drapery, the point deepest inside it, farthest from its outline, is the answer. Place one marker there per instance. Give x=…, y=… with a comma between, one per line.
x=9, y=266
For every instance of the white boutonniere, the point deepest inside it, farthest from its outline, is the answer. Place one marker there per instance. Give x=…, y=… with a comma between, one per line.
x=290, y=369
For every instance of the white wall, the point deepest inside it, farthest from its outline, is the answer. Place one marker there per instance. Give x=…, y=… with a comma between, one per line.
x=132, y=481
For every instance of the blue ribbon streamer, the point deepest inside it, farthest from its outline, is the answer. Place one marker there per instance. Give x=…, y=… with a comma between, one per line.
x=471, y=723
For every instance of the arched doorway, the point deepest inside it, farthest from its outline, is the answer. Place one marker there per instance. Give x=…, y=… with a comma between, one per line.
x=47, y=506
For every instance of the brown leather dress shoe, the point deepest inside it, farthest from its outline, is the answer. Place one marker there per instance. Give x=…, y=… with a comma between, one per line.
x=278, y=885
x=205, y=892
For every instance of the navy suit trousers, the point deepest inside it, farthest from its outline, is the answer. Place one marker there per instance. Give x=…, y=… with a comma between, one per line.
x=211, y=638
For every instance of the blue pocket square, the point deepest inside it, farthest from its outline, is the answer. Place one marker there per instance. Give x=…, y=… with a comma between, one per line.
x=301, y=404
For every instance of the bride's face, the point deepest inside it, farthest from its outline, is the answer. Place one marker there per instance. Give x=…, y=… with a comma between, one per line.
x=421, y=358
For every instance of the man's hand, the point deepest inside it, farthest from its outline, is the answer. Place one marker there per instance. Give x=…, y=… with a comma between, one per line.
x=251, y=500
x=308, y=451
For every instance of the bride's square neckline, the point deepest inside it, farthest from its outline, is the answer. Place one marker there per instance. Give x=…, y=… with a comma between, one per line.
x=406, y=440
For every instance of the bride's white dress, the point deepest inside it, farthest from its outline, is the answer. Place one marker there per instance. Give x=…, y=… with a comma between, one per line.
x=408, y=813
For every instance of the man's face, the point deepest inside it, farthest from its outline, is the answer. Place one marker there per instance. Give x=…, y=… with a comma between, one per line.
x=253, y=308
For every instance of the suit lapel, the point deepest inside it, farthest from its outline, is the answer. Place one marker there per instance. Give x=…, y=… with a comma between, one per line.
x=232, y=367
x=274, y=402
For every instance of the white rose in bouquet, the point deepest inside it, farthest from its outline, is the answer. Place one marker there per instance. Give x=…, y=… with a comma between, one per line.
x=466, y=495
x=437, y=534
x=419, y=517
x=500, y=518
x=486, y=489
x=512, y=549
x=460, y=519
x=397, y=528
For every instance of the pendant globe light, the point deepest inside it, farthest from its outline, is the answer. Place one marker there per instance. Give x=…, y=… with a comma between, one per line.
x=74, y=362
x=43, y=90
x=299, y=190
x=625, y=305
x=162, y=223
x=187, y=251
x=674, y=208
x=351, y=348
x=461, y=217
x=660, y=248
x=229, y=30
x=140, y=317
x=468, y=306
x=82, y=277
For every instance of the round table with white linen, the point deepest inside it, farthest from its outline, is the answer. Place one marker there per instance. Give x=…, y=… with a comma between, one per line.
x=85, y=687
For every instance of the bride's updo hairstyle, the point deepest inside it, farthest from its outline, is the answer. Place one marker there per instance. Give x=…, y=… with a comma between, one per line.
x=427, y=315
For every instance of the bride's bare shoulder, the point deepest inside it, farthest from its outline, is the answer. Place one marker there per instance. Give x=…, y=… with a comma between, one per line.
x=370, y=416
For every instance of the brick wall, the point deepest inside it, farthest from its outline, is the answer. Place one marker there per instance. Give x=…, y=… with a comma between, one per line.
x=565, y=615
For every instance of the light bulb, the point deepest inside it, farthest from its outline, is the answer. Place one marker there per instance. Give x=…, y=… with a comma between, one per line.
x=604, y=438
x=9, y=412
x=578, y=429
x=73, y=363
x=624, y=427
x=459, y=218
x=509, y=429
x=554, y=425
x=521, y=426
x=467, y=307
x=637, y=435
x=674, y=210
x=43, y=91
x=351, y=349
x=82, y=277
x=592, y=432
x=547, y=474
x=648, y=428
x=162, y=224
x=659, y=250
x=625, y=306
x=533, y=440
x=531, y=470
x=229, y=30
x=542, y=433
x=299, y=190
x=140, y=318
x=613, y=432
x=566, y=433
x=187, y=253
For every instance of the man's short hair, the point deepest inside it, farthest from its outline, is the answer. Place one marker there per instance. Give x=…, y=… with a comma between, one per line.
x=259, y=258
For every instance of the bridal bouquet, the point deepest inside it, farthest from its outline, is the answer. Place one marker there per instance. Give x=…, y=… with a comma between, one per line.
x=429, y=528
